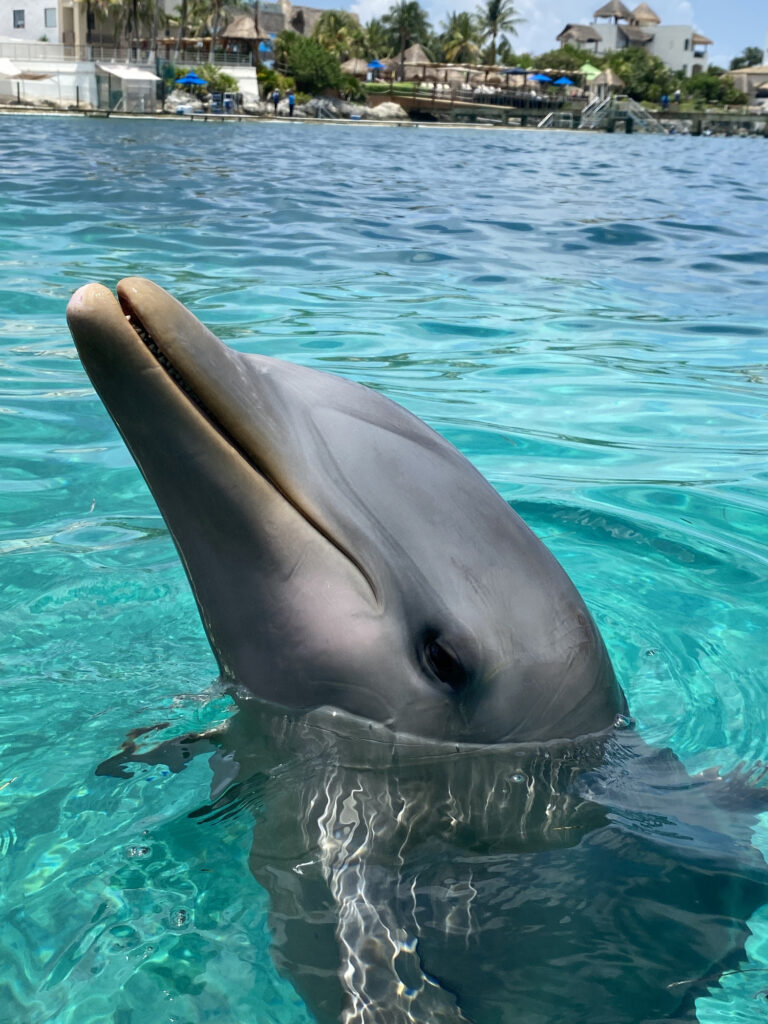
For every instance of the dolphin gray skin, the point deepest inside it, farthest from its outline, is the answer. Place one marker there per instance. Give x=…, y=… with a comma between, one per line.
x=340, y=551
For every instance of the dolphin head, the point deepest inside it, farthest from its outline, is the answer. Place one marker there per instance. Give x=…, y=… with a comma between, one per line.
x=340, y=551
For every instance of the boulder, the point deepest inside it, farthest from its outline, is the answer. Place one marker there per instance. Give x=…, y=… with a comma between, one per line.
x=182, y=98
x=387, y=112
x=325, y=106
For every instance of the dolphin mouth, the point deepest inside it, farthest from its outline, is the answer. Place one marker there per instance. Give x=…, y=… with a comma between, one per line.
x=200, y=368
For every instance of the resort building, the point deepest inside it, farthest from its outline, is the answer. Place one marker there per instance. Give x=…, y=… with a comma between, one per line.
x=616, y=27
x=753, y=82
x=30, y=20
x=55, y=52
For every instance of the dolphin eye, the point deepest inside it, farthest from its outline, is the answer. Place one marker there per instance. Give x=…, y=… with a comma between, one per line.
x=444, y=665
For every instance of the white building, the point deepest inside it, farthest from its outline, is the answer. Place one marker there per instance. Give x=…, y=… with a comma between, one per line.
x=30, y=20
x=615, y=27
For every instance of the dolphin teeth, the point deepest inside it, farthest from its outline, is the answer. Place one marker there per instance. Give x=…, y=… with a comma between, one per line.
x=164, y=361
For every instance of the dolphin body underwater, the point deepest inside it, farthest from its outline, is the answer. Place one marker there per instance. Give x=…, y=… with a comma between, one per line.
x=453, y=820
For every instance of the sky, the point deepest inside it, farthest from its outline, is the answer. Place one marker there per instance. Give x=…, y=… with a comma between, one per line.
x=730, y=24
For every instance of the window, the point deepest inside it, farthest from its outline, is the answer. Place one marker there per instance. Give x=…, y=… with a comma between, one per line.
x=687, y=44
x=18, y=19
x=50, y=17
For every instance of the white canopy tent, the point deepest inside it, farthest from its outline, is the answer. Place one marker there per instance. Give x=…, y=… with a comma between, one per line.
x=135, y=91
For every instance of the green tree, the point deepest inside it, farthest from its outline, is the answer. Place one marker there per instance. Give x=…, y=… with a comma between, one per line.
x=748, y=57
x=340, y=33
x=645, y=77
x=461, y=38
x=407, y=23
x=712, y=87
x=569, y=58
x=310, y=65
x=497, y=17
x=377, y=39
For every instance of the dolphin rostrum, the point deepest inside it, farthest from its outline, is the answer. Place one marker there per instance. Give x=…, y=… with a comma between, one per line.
x=449, y=827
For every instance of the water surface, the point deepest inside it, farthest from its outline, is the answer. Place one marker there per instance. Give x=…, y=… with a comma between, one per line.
x=583, y=316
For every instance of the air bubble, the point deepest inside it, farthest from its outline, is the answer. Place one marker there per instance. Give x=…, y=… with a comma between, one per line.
x=138, y=851
x=622, y=722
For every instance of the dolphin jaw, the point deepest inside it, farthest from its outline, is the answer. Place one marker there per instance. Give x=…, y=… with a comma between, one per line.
x=130, y=293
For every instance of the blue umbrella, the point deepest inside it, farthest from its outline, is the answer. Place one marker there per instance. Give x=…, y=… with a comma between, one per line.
x=563, y=81
x=376, y=64
x=191, y=79
x=514, y=71
x=265, y=47
x=540, y=78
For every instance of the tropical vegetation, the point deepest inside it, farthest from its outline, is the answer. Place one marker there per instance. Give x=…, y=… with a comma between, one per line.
x=483, y=36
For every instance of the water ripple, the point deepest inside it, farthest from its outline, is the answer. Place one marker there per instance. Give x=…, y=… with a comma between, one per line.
x=583, y=316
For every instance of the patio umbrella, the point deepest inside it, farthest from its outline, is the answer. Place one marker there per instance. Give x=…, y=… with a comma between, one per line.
x=562, y=81
x=376, y=65
x=589, y=71
x=191, y=79
x=540, y=78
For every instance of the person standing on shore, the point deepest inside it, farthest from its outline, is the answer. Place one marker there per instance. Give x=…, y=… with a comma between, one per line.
x=291, y=103
x=276, y=98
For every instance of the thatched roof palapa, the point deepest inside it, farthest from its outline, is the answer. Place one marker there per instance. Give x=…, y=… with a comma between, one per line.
x=614, y=9
x=609, y=78
x=355, y=66
x=635, y=34
x=699, y=40
x=643, y=15
x=579, y=34
x=415, y=54
x=242, y=27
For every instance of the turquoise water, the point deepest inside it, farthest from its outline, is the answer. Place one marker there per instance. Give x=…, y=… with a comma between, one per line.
x=584, y=317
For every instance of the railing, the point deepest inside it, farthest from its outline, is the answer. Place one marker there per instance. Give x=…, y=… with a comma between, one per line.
x=122, y=54
x=199, y=55
x=557, y=119
x=602, y=113
x=520, y=99
x=63, y=52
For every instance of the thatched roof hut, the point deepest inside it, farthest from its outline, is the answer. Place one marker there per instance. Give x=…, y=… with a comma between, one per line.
x=643, y=15
x=355, y=66
x=416, y=54
x=579, y=34
x=614, y=9
x=609, y=79
x=242, y=27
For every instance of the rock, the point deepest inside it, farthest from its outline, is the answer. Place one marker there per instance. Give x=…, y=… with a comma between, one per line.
x=182, y=98
x=256, y=107
x=325, y=106
x=387, y=112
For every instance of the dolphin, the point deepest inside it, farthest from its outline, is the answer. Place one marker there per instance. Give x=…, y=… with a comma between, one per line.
x=340, y=551
x=453, y=818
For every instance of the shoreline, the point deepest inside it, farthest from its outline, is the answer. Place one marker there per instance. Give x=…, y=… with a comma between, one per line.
x=201, y=118
x=205, y=117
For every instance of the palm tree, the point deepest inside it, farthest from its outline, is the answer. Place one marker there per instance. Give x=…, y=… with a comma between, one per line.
x=461, y=38
x=497, y=17
x=407, y=23
x=340, y=33
x=377, y=39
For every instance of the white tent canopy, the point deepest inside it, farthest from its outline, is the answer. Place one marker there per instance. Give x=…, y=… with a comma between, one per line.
x=10, y=70
x=128, y=73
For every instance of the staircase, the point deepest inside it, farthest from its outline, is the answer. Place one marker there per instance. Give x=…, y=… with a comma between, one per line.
x=603, y=113
x=557, y=119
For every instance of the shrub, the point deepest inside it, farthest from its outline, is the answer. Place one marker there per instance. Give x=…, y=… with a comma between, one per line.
x=312, y=68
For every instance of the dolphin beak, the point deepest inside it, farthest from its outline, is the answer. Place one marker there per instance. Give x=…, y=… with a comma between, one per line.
x=156, y=367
